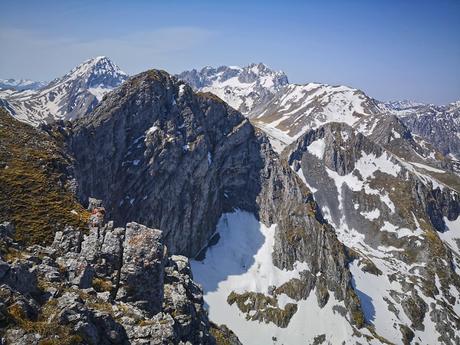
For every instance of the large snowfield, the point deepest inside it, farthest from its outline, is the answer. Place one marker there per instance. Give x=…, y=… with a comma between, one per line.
x=241, y=261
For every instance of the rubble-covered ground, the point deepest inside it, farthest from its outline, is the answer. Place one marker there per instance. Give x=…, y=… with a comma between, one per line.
x=108, y=286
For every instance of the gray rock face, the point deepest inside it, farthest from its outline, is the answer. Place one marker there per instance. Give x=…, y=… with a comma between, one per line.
x=393, y=216
x=142, y=271
x=67, y=241
x=134, y=293
x=302, y=234
x=158, y=154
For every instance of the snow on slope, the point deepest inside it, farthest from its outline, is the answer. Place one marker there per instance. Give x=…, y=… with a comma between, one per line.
x=284, y=111
x=243, y=88
x=298, y=108
x=452, y=234
x=365, y=193
x=68, y=97
x=21, y=84
x=241, y=261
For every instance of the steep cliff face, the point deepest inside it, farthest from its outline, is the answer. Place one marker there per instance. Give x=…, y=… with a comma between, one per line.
x=401, y=221
x=352, y=231
x=96, y=285
x=160, y=154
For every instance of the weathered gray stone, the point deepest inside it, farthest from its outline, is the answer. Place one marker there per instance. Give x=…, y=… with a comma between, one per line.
x=68, y=240
x=21, y=277
x=80, y=272
x=141, y=278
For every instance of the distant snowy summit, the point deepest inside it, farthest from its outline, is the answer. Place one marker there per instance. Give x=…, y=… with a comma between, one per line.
x=98, y=75
x=401, y=105
x=68, y=97
x=283, y=110
x=244, y=88
x=21, y=84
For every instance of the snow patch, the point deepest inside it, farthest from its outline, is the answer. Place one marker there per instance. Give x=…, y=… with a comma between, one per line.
x=372, y=215
x=317, y=148
x=452, y=235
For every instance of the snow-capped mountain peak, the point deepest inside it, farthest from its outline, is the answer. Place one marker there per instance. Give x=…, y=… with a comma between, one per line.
x=298, y=108
x=98, y=75
x=244, y=88
x=68, y=97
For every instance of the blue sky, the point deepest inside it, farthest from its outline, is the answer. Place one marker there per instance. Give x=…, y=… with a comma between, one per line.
x=390, y=49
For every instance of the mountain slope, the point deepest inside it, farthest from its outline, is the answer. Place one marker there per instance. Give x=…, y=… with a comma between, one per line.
x=243, y=88
x=298, y=108
x=351, y=235
x=92, y=284
x=36, y=182
x=439, y=125
x=400, y=221
x=286, y=111
x=68, y=97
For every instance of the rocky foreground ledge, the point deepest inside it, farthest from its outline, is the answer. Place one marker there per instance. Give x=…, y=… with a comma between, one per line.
x=108, y=286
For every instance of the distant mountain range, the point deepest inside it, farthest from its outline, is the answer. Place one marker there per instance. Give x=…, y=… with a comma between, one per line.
x=244, y=88
x=21, y=84
x=286, y=110
x=439, y=125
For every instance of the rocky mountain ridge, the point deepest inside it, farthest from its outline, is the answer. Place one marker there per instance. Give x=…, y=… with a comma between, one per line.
x=243, y=88
x=438, y=125
x=110, y=286
x=400, y=223
x=286, y=111
x=178, y=160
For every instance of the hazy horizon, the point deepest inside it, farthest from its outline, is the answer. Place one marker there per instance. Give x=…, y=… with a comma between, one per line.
x=393, y=51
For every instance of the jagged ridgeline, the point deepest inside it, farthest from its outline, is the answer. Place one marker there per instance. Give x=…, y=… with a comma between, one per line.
x=36, y=192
